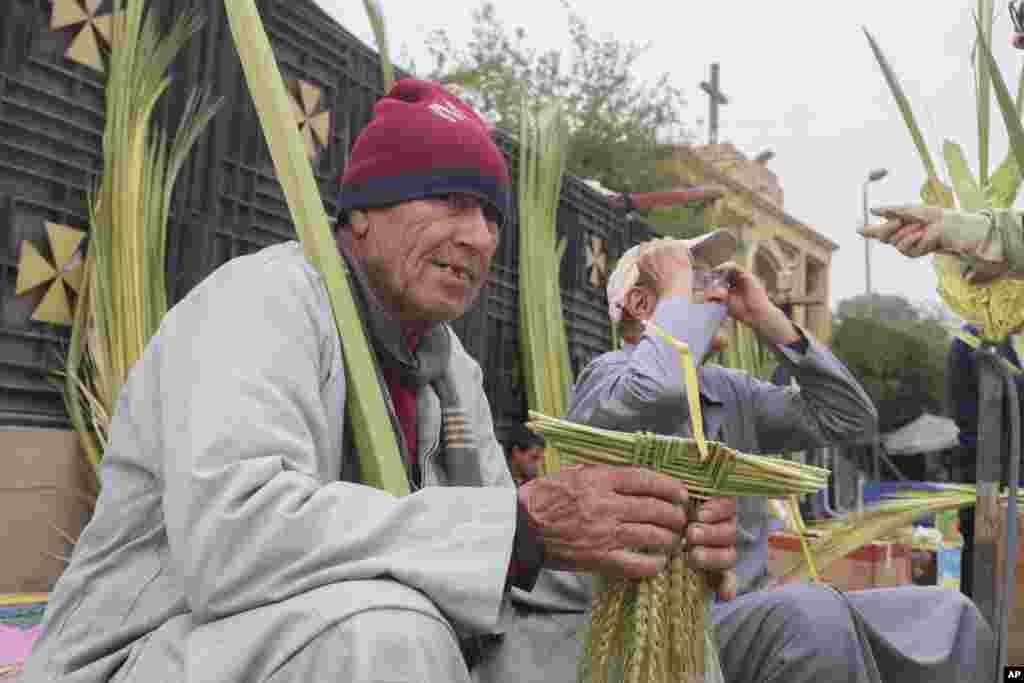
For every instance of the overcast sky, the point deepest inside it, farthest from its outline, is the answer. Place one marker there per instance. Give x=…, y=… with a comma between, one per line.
x=801, y=81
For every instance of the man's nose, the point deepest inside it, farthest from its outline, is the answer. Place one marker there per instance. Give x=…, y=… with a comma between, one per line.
x=475, y=232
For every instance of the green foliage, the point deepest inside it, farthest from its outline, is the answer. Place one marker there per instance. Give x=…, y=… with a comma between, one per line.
x=889, y=308
x=614, y=119
x=897, y=352
x=685, y=222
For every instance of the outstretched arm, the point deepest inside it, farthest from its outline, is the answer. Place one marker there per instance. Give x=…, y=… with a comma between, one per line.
x=829, y=407
x=990, y=242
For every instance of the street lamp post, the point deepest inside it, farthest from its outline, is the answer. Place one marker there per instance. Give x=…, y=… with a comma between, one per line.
x=874, y=176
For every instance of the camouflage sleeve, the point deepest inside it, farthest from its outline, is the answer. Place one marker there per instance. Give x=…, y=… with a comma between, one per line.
x=993, y=236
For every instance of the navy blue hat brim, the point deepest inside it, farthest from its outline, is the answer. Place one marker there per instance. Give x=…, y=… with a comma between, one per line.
x=388, y=191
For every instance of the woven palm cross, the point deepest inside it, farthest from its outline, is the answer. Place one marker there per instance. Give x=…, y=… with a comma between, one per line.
x=709, y=468
x=725, y=472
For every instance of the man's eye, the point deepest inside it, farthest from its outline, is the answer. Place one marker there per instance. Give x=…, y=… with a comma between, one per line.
x=492, y=215
x=460, y=202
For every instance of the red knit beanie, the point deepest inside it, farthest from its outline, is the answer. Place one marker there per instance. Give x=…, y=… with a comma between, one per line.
x=424, y=142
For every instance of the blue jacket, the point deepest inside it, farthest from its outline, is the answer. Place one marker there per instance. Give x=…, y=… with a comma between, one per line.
x=642, y=388
x=962, y=383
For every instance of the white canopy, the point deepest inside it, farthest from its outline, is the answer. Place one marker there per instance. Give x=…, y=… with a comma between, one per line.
x=926, y=434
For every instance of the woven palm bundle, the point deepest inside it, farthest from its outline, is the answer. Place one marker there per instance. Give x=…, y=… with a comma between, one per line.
x=725, y=472
x=656, y=630
x=996, y=309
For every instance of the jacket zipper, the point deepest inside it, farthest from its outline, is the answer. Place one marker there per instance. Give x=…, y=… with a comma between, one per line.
x=425, y=465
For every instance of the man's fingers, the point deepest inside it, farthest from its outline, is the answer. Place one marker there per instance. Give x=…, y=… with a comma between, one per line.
x=986, y=271
x=717, y=510
x=905, y=214
x=906, y=237
x=717, y=295
x=931, y=241
x=648, y=537
x=641, y=510
x=640, y=481
x=632, y=565
x=881, y=231
x=728, y=267
x=713, y=559
x=719, y=535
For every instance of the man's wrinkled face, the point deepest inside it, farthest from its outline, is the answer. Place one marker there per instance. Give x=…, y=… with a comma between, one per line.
x=427, y=259
x=524, y=463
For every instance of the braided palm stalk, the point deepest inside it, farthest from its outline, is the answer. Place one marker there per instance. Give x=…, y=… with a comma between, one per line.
x=658, y=630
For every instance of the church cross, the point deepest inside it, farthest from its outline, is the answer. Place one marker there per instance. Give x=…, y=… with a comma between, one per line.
x=718, y=98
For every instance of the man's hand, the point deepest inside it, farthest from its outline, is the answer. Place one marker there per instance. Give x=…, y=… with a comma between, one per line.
x=667, y=264
x=712, y=542
x=600, y=519
x=921, y=230
x=748, y=302
x=914, y=230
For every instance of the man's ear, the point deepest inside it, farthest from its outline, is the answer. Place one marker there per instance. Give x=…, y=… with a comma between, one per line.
x=360, y=223
x=640, y=303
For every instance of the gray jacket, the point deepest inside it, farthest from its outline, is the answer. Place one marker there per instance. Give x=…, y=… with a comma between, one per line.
x=223, y=494
x=642, y=388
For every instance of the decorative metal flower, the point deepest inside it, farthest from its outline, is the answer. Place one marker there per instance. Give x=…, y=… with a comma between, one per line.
x=1017, y=17
x=597, y=261
x=315, y=125
x=85, y=45
x=67, y=269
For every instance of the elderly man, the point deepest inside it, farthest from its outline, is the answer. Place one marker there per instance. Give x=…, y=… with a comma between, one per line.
x=796, y=633
x=233, y=540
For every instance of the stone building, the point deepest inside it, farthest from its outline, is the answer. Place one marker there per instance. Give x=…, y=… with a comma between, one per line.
x=792, y=259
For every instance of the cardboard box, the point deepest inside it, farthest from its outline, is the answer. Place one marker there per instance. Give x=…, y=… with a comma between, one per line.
x=877, y=565
x=46, y=484
x=1015, y=628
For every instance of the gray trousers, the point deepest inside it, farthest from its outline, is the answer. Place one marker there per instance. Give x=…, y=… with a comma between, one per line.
x=798, y=633
x=802, y=633
x=379, y=646
x=794, y=634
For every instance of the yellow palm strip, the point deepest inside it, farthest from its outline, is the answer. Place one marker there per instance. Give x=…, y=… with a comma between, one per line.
x=692, y=387
x=798, y=521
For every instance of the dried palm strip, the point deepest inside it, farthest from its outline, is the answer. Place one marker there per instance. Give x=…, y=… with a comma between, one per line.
x=124, y=293
x=543, y=139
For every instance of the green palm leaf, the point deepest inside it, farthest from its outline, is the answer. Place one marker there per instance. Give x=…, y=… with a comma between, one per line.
x=375, y=439
x=1007, y=105
x=904, y=106
x=968, y=193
